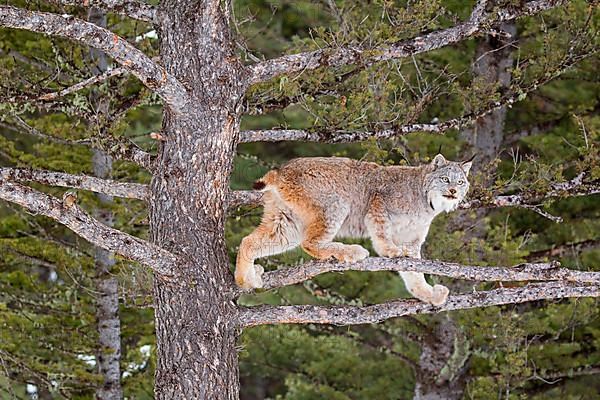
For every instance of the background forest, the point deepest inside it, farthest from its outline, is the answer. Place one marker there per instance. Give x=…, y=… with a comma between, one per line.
x=538, y=74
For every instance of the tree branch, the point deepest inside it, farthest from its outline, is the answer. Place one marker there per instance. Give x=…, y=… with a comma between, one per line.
x=150, y=73
x=523, y=272
x=572, y=188
x=83, y=84
x=567, y=249
x=118, y=147
x=131, y=8
x=350, y=315
x=105, y=186
x=74, y=218
x=337, y=57
x=344, y=136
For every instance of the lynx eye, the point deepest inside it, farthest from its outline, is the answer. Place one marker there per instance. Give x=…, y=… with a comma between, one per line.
x=445, y=179
x=461, y=182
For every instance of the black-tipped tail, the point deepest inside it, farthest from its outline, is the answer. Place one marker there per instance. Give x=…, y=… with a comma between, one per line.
x=259, y=185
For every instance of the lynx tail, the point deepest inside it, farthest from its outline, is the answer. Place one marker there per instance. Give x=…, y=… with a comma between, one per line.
x=267, y=180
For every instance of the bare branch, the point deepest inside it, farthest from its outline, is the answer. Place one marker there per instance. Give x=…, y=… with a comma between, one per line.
x=124, y=149
x=573, y=188
x=523, y=272
x=83, y=84
x=244, y=198
x=23, y=127
x=344, y=136
x=131, y=8
x=98, y=185
x=150, y=73
x=564, y=249
x=350, y=315
x=74, y=218
x=120, y=147
x=335, y=57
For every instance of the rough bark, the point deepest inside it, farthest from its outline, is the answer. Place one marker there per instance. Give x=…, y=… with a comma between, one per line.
x=194, y=312
x=351, y=315
x=85, y=182
x=442, y=364
x=108, y=355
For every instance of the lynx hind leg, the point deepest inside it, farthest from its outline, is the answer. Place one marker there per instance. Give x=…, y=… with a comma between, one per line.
x=276, y=234
x=318, y=236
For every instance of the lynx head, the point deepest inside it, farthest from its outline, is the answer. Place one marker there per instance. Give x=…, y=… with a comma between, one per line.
x=446, y=185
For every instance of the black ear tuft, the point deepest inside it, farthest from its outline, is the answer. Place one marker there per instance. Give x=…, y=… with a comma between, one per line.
x=259, y=185
x=440, y=150
x=466, y=165
x=470, y=159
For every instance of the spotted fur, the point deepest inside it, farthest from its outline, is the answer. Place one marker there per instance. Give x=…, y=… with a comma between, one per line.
x=310, y=201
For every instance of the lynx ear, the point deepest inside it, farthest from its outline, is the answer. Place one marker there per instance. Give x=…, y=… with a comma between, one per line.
x=466, y=165
x=438, y=161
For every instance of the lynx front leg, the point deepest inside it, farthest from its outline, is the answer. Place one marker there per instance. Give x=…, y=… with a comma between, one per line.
x=380, y=230
x=417, y=285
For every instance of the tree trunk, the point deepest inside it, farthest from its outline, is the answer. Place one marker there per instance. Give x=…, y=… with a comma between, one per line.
x=108, y=356
x=195, y=313
x=107, y=312
x=493, y=61
x=444, y=355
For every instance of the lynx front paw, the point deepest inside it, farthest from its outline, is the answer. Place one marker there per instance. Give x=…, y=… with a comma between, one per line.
x=394, y=253
x=439, y=295
x=353, y=253
x=250, y=277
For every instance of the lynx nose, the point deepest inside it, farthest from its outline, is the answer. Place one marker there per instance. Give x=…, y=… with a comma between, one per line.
x=452, y=191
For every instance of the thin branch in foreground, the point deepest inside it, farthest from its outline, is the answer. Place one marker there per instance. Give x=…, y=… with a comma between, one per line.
x=523, y=272
x=150, y=73
x=564, y=249
x=83, y=84
x=350, y=315
x=132, y=8
x=345, y=136
x=572, y=188
x=74, y=218
x=118, y=147
x=336, y=57
x=105, y=186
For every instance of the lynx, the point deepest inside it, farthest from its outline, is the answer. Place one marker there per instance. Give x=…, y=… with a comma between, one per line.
x=311, y=201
